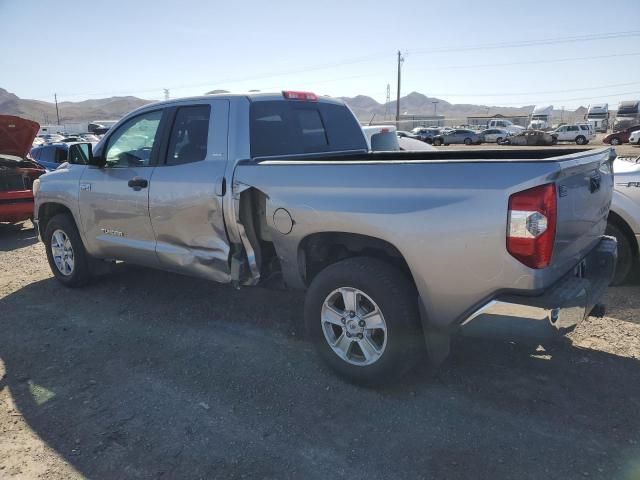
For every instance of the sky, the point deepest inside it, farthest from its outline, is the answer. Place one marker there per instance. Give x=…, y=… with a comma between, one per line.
x=567, y=53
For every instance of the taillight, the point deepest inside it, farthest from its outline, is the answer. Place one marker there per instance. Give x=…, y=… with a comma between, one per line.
x=293, y=95
x=531, y=229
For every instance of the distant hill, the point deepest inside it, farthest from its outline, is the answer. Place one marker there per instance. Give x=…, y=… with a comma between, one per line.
x=365, y=108
x=419, y=104
x=84, y=111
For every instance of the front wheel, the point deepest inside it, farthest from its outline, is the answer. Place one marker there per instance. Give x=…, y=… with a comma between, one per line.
x=580, y=140
x=66, y=254
x=362, y=315
x=437, y=142
x=468, y=141
x=615, y=141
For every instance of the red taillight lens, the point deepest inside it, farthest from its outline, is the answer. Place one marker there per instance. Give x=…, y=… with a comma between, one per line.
x=292, y=95
x=531, y=228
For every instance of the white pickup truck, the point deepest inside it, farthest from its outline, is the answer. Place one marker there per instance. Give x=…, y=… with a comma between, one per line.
x=507, y=125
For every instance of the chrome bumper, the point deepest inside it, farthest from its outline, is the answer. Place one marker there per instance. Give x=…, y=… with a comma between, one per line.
x=567, y=302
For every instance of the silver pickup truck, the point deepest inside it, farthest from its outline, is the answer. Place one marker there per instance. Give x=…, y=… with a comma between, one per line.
x=394, y=249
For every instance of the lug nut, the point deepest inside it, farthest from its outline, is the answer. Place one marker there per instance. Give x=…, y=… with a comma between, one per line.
x=352, y=314
x=362, y=323
x=343, y=320
x=360, y=336
x=348, y=335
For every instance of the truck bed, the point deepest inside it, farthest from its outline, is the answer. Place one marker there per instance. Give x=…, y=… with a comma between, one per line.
x=446, y=212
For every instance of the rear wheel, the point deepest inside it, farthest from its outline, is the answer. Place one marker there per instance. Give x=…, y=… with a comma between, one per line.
x=625, y=254
x=468, y=141
x=363, y=318
x=437, y=142
x=499, y=140
x=615, y=141
x=66, y=254
x=580, y=140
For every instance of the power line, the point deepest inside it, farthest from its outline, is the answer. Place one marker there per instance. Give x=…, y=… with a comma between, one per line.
x=532, y=93
x=536, y=62
x=377, y=56
x=532, y=43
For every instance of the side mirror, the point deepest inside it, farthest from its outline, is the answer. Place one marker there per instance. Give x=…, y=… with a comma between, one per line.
x=94, y=160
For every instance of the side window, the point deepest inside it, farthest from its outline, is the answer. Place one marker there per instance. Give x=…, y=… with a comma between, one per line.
x=79, y=153
x=132, y=143
x=189, y=135
x=61, y=155
x=573, y=128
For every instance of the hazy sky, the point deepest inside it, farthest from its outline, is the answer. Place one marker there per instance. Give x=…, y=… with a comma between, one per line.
x=83, y=49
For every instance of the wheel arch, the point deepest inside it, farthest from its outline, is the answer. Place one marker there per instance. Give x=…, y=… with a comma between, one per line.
x=47, y=211
x=623, y=225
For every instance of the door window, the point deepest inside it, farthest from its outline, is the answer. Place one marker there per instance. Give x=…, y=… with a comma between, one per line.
x=189, y=135
x=131, y=145
x=573, y=128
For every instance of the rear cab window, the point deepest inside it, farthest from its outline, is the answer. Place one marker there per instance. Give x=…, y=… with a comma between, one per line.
x=289, y=127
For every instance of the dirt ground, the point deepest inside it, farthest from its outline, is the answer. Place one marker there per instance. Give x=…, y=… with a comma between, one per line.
x=147, y=374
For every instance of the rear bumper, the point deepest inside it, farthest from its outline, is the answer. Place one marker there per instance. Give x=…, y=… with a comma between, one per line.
x=569, y=300
x=16, y=206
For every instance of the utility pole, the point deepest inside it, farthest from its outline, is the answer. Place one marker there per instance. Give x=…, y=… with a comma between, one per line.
x=562, y=115
x=387, y=101
x=400, y=60
x=435, y=107
x=166, y=93
x=55, y=97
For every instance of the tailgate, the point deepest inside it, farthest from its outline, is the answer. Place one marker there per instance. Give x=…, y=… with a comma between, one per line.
x=584, y=189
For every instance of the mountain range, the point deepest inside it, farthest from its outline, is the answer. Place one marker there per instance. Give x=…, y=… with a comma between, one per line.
x=366, y=108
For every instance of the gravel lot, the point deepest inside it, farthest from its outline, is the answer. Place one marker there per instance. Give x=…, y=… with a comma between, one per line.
x=147, y=374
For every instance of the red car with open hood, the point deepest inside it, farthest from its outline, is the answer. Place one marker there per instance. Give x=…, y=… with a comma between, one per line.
x=17, y=171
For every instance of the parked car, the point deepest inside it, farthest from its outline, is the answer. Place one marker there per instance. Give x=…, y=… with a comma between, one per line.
x=53, y=155
x=494, y=135
x=394, y=249
x=17, y=171
x=635, y=137
x=51, y=137
x=426, y=134
x=467, y=137
x=581, y=134
x=405, y=134
x=531, y=138
x=620, y=137
x=624, y=217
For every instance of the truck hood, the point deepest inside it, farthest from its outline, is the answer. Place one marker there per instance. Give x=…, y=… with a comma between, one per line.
x=16, y=135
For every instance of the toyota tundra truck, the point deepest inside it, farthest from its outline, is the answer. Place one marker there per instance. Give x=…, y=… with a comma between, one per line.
x=395, y=250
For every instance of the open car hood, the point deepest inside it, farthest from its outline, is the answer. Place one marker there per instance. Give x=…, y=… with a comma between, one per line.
x=16, y=135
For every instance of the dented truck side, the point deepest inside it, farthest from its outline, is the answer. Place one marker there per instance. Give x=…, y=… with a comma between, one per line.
x=393, y=248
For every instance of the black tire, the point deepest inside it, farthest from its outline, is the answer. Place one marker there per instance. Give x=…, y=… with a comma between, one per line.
x=468, y=141
x=80, y=274
x=615, y=141
x=499, y=140
x=437, y=142
x=554, y=140
x=580, y=140
x=506, y=141
x=626, y=259
x=396, y=298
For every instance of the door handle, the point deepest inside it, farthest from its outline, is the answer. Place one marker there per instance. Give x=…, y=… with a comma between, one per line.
x=138, y=183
